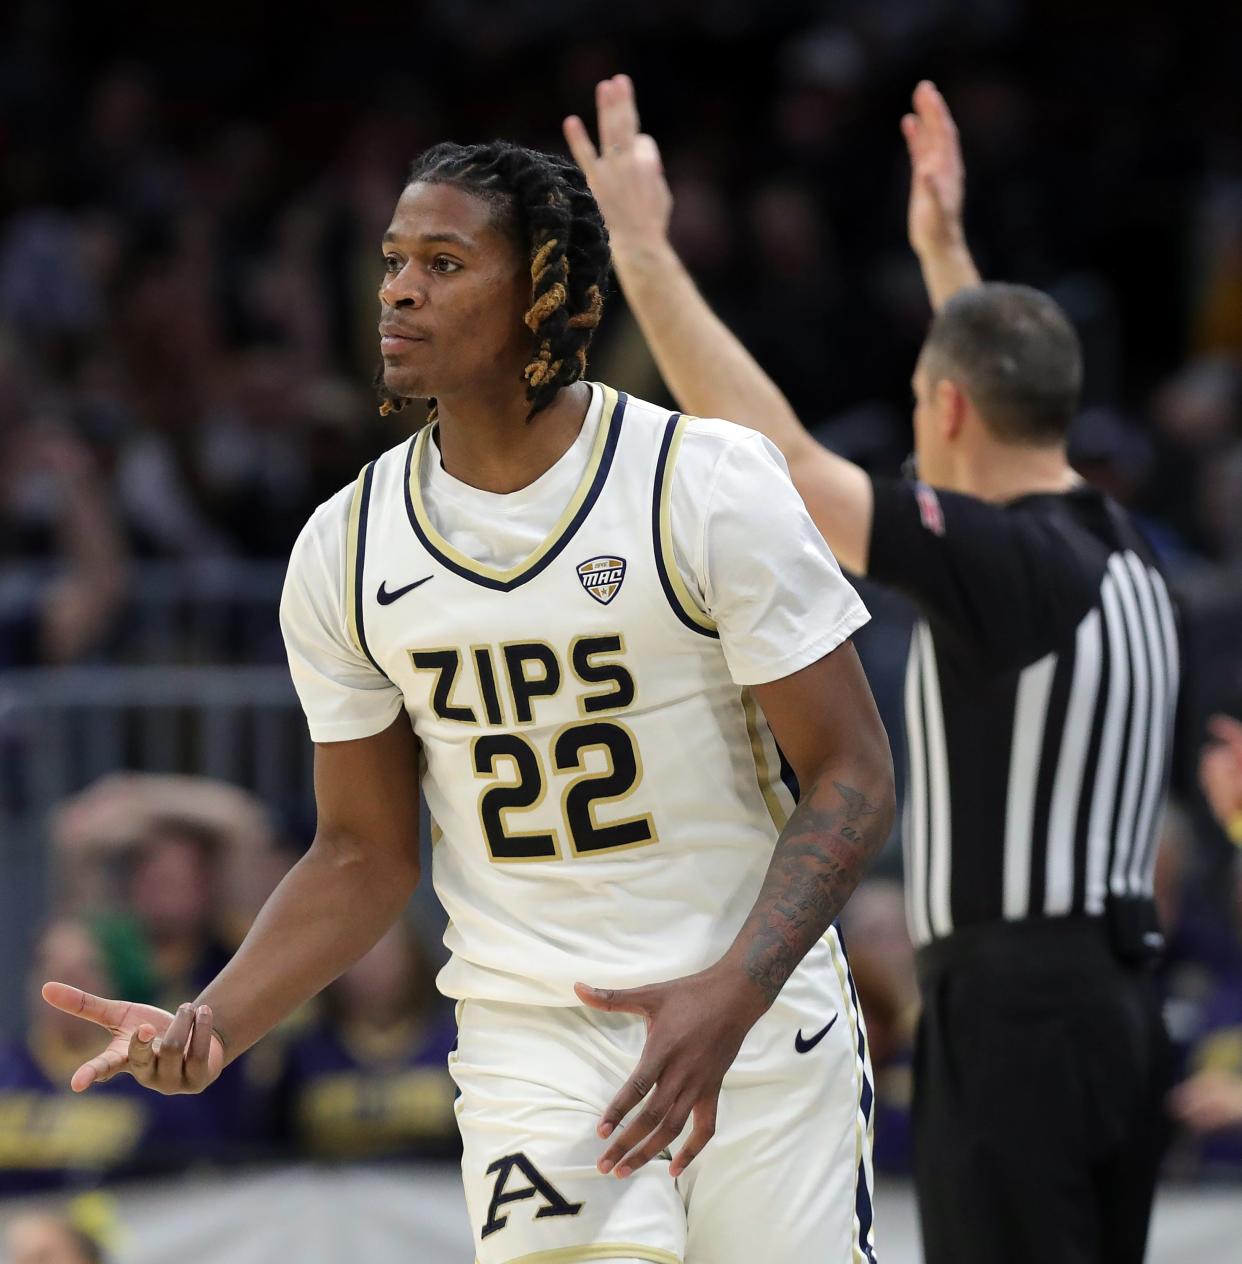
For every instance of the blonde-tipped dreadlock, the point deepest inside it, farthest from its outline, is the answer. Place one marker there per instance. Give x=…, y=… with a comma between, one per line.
x=546, y=204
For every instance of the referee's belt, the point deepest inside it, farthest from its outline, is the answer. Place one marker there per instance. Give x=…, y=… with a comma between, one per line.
x=1126, y=935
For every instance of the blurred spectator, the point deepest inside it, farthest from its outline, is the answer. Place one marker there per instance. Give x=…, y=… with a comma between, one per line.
x=1198, y=420
x=1110, y=453
x=1209, y=1101
x=156, y=890
x=169, y=929
x=370, y=1079
x=51, y=1136
x=1200, y=941
x=55, y=510
x=95, y=831
x=43, y=1238
x=1220, y=774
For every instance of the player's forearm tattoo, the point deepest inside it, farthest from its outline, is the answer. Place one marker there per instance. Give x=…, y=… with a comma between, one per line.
x=819, y=859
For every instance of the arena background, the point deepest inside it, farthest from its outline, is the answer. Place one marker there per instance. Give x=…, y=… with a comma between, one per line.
x=191, y=199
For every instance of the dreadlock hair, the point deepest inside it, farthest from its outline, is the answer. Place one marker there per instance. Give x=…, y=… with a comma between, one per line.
x=546, y=204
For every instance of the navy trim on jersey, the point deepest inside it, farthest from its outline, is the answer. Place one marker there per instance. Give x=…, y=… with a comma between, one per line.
x=864, y=1212
x=790, y=778
x=863, y=1208
x=363, y=511
x=662, y=564
x=597, y=485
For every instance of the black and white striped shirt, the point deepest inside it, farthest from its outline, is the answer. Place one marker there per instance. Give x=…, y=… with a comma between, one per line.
x=1040, y=695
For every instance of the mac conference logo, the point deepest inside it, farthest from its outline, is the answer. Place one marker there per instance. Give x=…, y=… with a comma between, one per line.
x=601, y=577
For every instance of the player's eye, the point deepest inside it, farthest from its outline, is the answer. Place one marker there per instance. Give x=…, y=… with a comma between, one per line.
x=392, y=265
x=445, y=265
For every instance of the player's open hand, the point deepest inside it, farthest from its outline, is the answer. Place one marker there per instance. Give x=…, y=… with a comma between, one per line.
x=170, y=1053
x=695, y=1027
x=937, y=173
x=626, y=175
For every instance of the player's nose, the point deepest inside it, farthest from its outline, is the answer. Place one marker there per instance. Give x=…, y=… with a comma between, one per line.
x=402, y=290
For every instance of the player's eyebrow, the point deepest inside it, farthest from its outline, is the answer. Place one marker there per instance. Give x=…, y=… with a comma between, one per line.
x=430, y=239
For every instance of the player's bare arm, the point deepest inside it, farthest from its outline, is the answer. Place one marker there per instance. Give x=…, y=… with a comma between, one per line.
x=825, y=720
x=332, y=906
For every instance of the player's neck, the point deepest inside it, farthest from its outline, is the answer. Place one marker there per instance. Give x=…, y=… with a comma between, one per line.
x=1005, y=472
x=486, y=441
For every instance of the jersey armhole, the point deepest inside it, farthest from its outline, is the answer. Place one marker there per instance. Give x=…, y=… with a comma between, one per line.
x=355, y=562
x=677, y=593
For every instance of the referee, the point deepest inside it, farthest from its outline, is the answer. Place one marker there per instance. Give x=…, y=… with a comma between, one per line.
x=1040, y=693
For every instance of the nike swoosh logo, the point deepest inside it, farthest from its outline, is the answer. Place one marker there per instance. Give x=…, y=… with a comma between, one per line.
x=805, y=1046
x=386, y=598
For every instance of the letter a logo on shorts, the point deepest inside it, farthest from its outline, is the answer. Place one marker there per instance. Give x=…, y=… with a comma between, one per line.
x=554, y=1203
x=602, y=576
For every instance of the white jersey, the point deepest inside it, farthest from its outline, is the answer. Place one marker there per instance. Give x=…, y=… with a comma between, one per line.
x=605, y=791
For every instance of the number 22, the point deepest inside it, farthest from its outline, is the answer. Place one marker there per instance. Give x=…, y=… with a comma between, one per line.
x=527, y=787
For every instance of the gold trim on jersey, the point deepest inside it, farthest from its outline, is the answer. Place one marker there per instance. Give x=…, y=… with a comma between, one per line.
x=351, y=563
x=687, y=602
x=763, y=773
x=597, y=1251
x=423, y=438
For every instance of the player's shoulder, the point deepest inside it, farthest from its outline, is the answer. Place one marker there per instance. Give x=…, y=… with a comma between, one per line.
x=708, y=442
x=701, y=431
x=701, y=441
x=718, y=435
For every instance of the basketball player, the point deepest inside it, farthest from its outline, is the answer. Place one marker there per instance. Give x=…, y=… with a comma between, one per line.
x=608, y=637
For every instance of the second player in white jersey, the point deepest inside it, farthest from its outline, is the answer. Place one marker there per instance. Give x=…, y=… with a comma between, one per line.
x=605, y=790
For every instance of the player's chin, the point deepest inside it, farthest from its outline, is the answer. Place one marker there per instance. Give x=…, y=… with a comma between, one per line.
x=405, y=381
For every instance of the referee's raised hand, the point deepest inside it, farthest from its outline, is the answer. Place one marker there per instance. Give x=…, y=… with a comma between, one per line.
x=169, y=1053
x=937, y=173
x=626, y=175
x=937, y=196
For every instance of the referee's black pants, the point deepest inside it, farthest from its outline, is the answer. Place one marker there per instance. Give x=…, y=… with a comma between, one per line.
x=1040, y=1073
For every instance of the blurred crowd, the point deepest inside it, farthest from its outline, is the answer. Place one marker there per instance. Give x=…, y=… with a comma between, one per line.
x=189, y=249
x=156, y=880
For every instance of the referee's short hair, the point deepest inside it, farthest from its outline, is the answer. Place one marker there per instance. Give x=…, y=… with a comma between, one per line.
x=1014, y=352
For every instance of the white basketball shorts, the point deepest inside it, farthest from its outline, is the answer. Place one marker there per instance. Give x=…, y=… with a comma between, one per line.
x=787, y=1178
